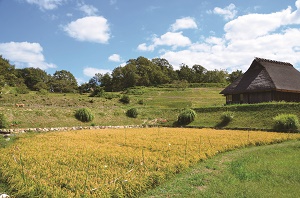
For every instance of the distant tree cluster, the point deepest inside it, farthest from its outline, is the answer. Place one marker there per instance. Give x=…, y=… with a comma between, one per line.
x=158, y=71
x=136, y=72
x=36, y=79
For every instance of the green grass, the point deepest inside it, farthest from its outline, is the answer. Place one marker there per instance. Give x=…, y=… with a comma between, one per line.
x=264, y=171
x=57, y=110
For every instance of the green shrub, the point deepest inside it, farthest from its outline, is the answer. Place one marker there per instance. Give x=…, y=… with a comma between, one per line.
x=22, y=89
x=42, y=92
x=227, y=116
x=286, y=122
x=125, y=99
x=98, y=92
x=84, y=115
x=3, y=121
x=186, y=116
x=132, y=113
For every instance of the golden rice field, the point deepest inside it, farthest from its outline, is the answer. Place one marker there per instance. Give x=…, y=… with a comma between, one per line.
x=114, y=162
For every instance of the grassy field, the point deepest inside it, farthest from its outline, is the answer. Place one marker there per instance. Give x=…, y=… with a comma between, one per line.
x=57, y=110
x=113, y=163
x=153, y=104
x=265, y=171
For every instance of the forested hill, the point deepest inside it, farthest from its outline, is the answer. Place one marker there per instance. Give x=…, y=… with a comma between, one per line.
x=136, y=72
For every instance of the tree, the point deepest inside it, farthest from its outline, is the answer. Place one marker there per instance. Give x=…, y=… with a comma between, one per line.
x=198, y=73
x=185, y=73
x=234, y=75
x=215, y=76
x=106, y=82
x=63, y=81
x=166, y=68
x=7, y=73
x=34, y=78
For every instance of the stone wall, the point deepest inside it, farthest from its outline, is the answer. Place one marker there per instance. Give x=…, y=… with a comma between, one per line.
x=24, y=130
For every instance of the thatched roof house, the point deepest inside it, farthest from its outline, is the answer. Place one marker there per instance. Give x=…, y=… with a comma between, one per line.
x=264, y=81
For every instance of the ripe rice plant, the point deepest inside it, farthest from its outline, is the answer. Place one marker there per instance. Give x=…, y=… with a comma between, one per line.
x=99, y=163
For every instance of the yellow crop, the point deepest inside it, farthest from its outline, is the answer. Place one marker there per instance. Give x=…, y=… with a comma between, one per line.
x=114, y=162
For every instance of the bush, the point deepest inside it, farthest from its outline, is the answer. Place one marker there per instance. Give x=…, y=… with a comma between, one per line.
x=186, y=116
x=22, y=89
x=132, y=113
x=42, y=92
x=125, y=99
x=286, y=122
x=3, y=121
x=98, y=92
x=84, y=115
x=227, y=116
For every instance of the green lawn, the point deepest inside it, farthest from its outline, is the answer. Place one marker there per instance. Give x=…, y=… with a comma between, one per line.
x=264, y=171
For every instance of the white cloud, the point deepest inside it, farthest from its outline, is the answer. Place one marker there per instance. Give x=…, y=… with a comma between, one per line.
x=91, y=28
x=90, y=71
x=25, y=54
x=273, y=36
x=89, y=10
x=112, y=2
x=115, y=58
x=227, y=13
x=173, y=39
x=184, y=23
x=46, y=4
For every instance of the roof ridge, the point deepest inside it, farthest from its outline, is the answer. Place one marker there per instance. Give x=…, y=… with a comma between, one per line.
x=272, y=61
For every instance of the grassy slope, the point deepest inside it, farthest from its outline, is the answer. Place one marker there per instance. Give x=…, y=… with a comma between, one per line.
x=265, y=171
x=56, y=110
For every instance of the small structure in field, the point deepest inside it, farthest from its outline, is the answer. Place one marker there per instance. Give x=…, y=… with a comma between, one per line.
x=264, y=81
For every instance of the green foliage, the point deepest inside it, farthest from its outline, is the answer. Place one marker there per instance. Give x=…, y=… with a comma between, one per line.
x=111, y=96
x=63, y=82
x=234, y=75
x=227, y=116
x=3, y=121
x=84, y=115
x=186, y=117
x=125, y=99
x=98, y=92
x=42, y=92
x=135, y=91
x=22, y=89
x=180, y=84
x=132, y=113
x=286, y=122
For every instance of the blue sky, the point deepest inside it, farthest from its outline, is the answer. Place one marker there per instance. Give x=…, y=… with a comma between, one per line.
x=95, y=36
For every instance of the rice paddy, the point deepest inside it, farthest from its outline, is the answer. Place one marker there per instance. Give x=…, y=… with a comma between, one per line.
x=114, y=162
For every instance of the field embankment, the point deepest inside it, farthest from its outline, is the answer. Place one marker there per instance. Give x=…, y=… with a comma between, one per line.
x=113, y=163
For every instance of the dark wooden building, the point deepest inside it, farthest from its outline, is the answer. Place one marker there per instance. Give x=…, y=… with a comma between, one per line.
x=264, y=81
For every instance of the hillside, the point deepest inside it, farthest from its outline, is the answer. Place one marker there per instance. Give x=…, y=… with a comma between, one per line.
x=153, y=105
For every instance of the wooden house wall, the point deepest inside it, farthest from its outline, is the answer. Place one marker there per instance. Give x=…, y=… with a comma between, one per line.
x=286, y=96
x=258, y=97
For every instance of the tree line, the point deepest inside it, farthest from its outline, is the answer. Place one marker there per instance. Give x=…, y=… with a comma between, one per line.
x=136, y=72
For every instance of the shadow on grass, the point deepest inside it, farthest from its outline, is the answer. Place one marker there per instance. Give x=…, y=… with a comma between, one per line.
x=223, y=123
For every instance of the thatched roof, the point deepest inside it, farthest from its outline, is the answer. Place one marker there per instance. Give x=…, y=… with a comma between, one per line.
x=266, y=75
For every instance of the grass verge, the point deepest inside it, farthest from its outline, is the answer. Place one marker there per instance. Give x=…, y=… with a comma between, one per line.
x=264, y=171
